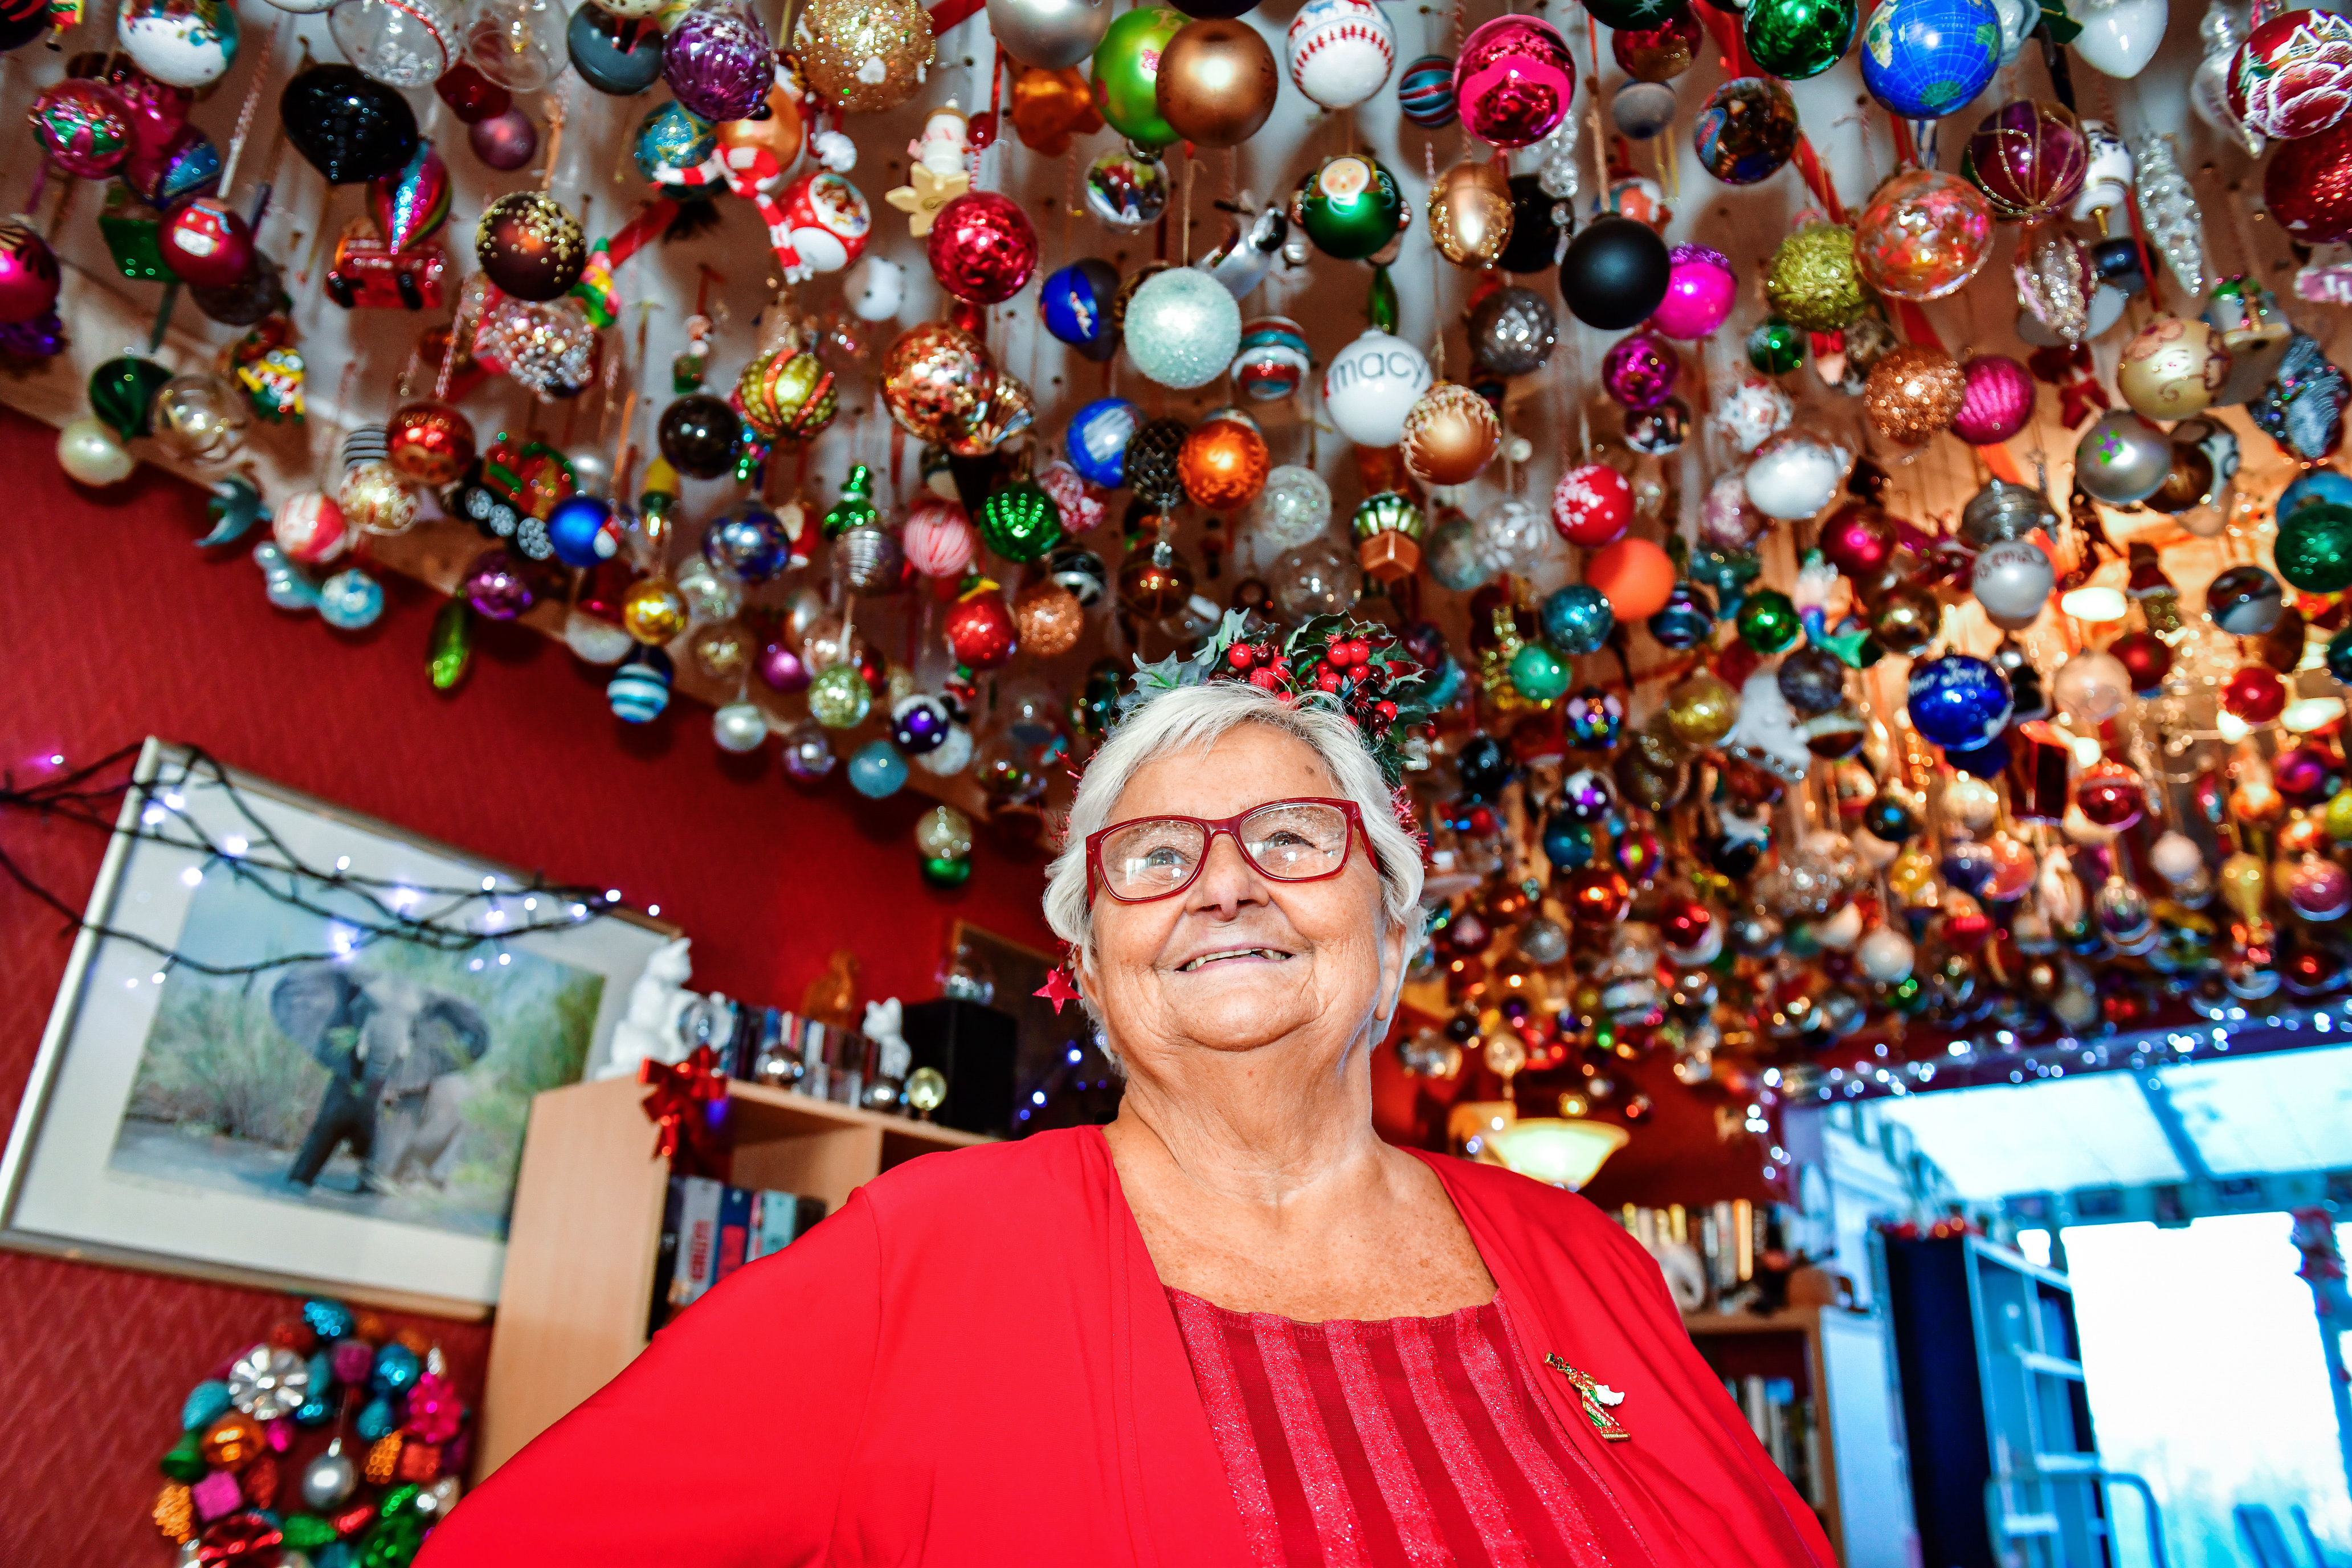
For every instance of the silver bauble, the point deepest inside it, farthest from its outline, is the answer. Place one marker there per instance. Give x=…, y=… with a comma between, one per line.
x=330, y=1478
x=2003, y=510
x=1055, y=33
x=2012, y=580
x=867, y=559
x=739, y=727
x=2122, y=459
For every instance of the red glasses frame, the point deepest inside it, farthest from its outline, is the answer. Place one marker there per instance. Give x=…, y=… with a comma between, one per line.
x=1230, y=825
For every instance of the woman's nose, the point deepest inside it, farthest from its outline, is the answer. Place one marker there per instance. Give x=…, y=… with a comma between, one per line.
x=1227, y=879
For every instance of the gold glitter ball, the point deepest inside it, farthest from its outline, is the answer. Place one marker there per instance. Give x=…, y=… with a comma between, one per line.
x=175, y=1513
x=1814, y=281
x=1049, y=618
x=865, y=56
x=1913, y=392
x=383, y=1459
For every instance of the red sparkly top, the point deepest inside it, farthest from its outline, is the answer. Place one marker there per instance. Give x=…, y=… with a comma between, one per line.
x=1407, y=1444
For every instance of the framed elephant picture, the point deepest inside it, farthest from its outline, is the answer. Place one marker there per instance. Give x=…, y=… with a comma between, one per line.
x=296, y=1047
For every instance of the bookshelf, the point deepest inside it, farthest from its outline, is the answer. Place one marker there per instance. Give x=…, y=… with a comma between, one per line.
x=1817, y=1387
x=587, y=1223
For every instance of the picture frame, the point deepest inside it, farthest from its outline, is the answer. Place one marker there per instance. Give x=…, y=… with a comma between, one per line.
x=350, y=1123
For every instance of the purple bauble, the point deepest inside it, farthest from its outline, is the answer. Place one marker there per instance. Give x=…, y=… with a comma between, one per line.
x=497, y=588
x=718, y=63
x=1701, y=288
x=783, y=669
x=2029, y=159
x=1641, y=370
x=1997, y=402
x=40, y=338
x=505, y=140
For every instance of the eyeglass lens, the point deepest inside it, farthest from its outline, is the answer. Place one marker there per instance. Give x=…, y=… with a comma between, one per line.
x=1288, y=840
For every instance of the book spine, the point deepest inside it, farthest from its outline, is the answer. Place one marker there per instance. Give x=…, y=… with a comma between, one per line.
x=666, y=1255
x=774, y=1217
x=698, y=1242
x=734, y=1231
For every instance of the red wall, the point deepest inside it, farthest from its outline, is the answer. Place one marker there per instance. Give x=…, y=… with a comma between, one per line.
x=121, y=629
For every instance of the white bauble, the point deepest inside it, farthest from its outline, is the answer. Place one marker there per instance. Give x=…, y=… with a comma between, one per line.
x=1885, y=957
x=1793, y=475
x=2176, y=856
x=1182, y=329
x=1341, y=51
x=2012, y=579
x=90, y=453
x=1754, y=412
x=1371, y=385
x=739, y=727
x=2108, y=180
x=596, y=641
x=2090, y=688
x=876, y=288
x=2119, y=37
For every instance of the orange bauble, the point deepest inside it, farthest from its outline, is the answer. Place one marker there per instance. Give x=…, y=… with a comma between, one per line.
x=1634, y=576
x=1222, y=463
x=777, y=134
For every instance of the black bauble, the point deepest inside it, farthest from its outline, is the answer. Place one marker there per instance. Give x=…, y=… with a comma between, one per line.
x=1534, y=245
x=1219, y=9
x=616, y=55
x=1812, y=680
x=1732, y=857
x=1614, y=274
x=252, y=298
x=700, y=435
x=531, y=245
x=349, y=127
x=1486, y=767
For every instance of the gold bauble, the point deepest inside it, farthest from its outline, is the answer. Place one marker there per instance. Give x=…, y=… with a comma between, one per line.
x=652, y=611
x=1049, y=618
x=865, y=56
x=2171, y=368
x=1450, y=434
x=779, y=132
x=722, y=650
x=1702, y=710
x=1814, y=281
x=1470, y=212
x=376, y=499
x=1913, y=392
x=2243, y=884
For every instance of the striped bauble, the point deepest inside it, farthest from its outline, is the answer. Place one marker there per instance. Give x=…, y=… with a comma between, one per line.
x=1426, y=92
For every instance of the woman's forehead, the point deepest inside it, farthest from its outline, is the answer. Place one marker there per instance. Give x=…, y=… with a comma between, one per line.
x=1247, y=765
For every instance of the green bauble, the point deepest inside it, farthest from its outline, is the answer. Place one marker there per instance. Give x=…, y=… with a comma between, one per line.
x=1814, y=280
x=122, y=390
x=1776, y=347
x=2315, y=547
x=944, y=871
x=2339, y=656
x=1350, y=205
x=1387, y=512
x=1127, y=74
x=1020, y=522
x=1793, y=39
x=839, y=697
x=1537, y=673
x=856, y=508
x=1767, y=621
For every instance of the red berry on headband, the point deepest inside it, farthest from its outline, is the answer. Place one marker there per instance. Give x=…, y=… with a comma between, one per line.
x=1240, y=656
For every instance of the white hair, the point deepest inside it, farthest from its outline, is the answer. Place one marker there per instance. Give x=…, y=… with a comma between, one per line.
x=1194, y=719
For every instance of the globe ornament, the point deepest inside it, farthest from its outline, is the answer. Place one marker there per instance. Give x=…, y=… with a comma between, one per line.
x=2029, y=158
x=2314, y=549
x=1350, y=206
x=1924, y=58
x=1795, y=39
x=1924, y=235
x=1814, y=280
x=1959, y=702
x=1913, y=392
x=1745, y=130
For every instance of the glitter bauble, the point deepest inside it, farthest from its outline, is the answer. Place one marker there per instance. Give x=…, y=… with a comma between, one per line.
x=1996, y=402
x=531, y=245
x=1047, y=618
x=2172, y=367
x=2029, y=158
x=1913, y=392
x=1959, y=702
x=981, y=247
x=1222, y=464
x=1923, y=236
x=375, y=500
x=1745, y=130
x=1512, y=331
x=936, y=381
x=1576, y=619
x=839, y=699
x=980, y=631
x=1450, y=435
x=1814, y=280
x=1182, y=328
x=1614, y=273
x=866, y=57
x=1701, y=710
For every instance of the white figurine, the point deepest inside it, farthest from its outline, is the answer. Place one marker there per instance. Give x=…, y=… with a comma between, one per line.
x=884, y=1020
x=648, y=1031
x=938, y=177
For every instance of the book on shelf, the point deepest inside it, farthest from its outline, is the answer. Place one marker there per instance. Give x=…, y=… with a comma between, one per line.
x=1708, y=1252
x=1783, y=1423
x=710, y=1229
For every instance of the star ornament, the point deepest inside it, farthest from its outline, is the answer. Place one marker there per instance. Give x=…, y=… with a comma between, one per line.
x=922, y=200
x=1057, y=989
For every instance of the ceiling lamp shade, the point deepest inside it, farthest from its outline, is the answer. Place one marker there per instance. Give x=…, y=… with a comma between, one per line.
x=1566, y=1152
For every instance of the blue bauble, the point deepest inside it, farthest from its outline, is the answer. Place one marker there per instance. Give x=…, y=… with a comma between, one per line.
x=920, y=724
x=1576, y=619
x=1097, y=440
x=2318, y=485
x=1426, y=92
x=878, y=771
x=1959, y=702
x=1076, y=305
x=328, y=1318
x=1567, y=842
x=749, y=540
x=1989, y=761
x=397, y=1369
x=672, y=137
x=1688, y=620
x=377, y=1419
x=639, y=689
x=1969, y=866
x=2339, y=656
x=350, y=600
x=580, y=530
x=613, y=55
x=1924, y=58
x=206, y=1403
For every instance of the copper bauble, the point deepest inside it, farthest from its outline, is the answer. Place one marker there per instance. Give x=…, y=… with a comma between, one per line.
x=1217, y=81
x=1450, y=435
x=1222, y=463
x=864, y=56
x=936, y=381
x=1913, y=392
x=531, y=245
x=1048, y=618
x=1154, y=581
x=1470, y=212
x=429, y=442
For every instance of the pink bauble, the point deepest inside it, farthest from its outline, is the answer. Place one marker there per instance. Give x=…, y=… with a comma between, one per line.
x=1592, y=506
x=983, y=247
x=1513, y=82
x=84, y=127
x=1726, y=521
x=783, y=669
x=1997, y=402
x=1640, y=370
x=310, y=527
x=2319, y=889
x=28, y=272
x=1701, y=288
x=206, y=243
x=505, y=140
x=939, y=539
x=1080, y=510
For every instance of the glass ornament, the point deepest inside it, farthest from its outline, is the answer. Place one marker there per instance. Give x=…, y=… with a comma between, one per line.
x=838, y=697
x=407, y=44
x=808, y=752
x=1509, y=535
x=518, y=44
x=2029, y=158
x=1318, y=578
x=2090, y=688
x=1959, y=702
x=181, y=43
x=1925, y=58
x=1576, y=619
x=1924, y=235
x=1182, y=328
x=1796, y=39
x=200, y=418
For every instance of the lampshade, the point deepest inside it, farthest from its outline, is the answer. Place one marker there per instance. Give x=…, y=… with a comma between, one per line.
x=1557, y=1148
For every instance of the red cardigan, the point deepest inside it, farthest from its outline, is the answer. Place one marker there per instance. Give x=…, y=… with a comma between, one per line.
x=974, y=1363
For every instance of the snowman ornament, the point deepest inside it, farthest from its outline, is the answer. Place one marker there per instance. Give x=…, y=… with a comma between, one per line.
x=939, y=175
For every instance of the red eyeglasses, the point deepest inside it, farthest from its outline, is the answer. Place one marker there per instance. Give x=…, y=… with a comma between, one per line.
x=1152, y=857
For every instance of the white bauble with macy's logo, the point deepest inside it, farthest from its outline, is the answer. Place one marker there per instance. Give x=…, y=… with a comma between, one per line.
x=1371, y=385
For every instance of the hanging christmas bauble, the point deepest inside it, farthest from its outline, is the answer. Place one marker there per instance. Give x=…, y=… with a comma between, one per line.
x=1047, y=619
x=1814, y=280
x=348, y=127
x=205, y=243
x=2122, y=459
x=1640, y=370
x=1222, y=464
x=429, y=442
x=1156, y=581
x=1576, y=619
x=1217, y=82
x=1150, y=464
x=182, y=43
x=1514, y=81
x=1660, y=51
x=1700, y=290
x=2012, y=580
x=2307, y=187
x=531, y=245
x=827, y=224
x=2255, y=694
x=1127, y=74
x=1659, y=430
x=2145, y=658
x=1426, y=92
x=719, y=65
x=865, y=57
x=1340, y=51
x=1959, y=702
x=1450, y=435
x=83, y=126
x=1794, y=39
x=1020, y=523
x=613, y=54
x=749, y=540
x=1793, y=475
x=2314, y=549
x=1051, y=33
x=1776, y=347
x=1273, y=359
x=582, y=532
x=1924, y=58
x=1615, y=273
x=1075, y=304
x=775, y=131
x=1538, y=220
x=2029, y=158
x=1470, y=212
x=1511, y=331
x=1996, y=401
x=1912, y=394
x=936, y=381
x=1182, y=328
x=1350, y=205
x=700, y=435
x=1925, y=233
x=1371, y=385
x=981, y=247
x=1685, y=620
x=1745, y=130
x=375, y=499
x=2286, y=79
x=1634, y=576
x=2171, y=368
x=1592, y=505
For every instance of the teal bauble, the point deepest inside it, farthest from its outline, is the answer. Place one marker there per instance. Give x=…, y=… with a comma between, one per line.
x=1537, y=673
x=1767, y=621
x=2315, y=547
x=1020, y=522
x=1576, y=619
x=1794, y=39
x=1726, y=573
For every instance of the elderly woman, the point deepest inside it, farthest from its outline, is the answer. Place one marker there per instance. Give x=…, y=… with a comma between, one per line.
x=1231, y=1328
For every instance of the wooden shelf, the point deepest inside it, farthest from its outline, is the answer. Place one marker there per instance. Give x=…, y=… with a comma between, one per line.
x=587, y=1224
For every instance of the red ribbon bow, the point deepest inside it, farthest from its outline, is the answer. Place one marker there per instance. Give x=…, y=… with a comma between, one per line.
x=685, y=1135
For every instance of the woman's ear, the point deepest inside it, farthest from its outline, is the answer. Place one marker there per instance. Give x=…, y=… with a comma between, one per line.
x=1392, y=952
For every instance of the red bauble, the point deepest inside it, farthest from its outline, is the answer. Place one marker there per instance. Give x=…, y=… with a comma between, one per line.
x=2255, y=694
x=2144, y=657
x=980, y=632
x=2307, y=185
x=1684, y=923
x=1596, y=895
x=2111, y=794
x=1592, y=506
x=206, y=242
x=470, y=95
x=983, y=247
x=1857, y=540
